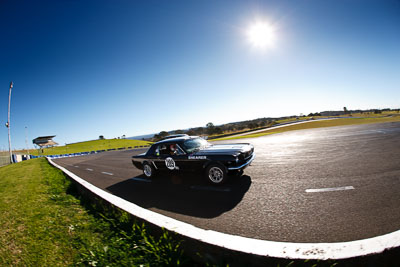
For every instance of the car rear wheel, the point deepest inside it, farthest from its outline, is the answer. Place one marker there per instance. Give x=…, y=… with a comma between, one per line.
x=216, y=174
x=148, y=170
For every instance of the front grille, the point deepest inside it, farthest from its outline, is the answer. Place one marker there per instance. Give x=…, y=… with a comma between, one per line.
x=245, y=156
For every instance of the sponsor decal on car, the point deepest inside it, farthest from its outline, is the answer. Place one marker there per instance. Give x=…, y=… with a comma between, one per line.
x=170, y=163
x=197, y=157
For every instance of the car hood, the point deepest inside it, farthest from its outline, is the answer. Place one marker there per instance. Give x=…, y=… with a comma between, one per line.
x=226, y=149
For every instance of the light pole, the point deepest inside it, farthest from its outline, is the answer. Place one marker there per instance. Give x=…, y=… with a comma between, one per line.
x=8, y=123
x=26, y=138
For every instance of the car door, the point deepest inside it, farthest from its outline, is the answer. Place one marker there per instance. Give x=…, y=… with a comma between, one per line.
x=180, y=158
x=167, y=159
x=160, y=155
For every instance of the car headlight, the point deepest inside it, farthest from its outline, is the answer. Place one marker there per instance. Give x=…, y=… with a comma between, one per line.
x=237, y=159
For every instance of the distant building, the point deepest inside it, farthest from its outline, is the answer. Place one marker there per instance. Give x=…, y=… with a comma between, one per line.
x=44, y=141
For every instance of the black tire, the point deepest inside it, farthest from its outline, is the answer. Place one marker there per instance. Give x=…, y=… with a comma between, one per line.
x=216, y=174
x=148, y=170
x=237, y=173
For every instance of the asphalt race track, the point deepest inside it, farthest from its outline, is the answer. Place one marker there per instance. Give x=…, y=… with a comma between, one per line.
x=319, y=185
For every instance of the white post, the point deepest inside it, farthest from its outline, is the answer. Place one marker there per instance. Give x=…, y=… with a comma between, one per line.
x=8, y=123
x=26, y=138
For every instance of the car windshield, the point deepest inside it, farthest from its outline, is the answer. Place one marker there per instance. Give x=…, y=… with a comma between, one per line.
x=191, y=145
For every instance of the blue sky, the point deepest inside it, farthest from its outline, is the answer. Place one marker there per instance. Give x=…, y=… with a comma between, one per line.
x=87, y=68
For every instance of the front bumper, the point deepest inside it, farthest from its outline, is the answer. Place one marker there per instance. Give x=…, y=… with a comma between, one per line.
x=243, y=165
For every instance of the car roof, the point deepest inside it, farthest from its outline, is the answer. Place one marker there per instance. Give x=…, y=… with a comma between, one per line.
x=174, y=136
x=176, y=139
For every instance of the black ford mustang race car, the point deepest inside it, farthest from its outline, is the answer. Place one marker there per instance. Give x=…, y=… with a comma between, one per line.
x=192, y=153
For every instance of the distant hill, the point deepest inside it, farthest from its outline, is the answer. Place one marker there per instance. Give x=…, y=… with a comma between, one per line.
x=140, y=137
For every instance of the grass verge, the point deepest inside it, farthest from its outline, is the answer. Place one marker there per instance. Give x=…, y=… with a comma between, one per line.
x=316, y=124
x=45, y=223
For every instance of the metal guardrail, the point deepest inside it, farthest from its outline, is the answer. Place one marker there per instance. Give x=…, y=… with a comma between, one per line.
x=5, y=159
x=92, y=152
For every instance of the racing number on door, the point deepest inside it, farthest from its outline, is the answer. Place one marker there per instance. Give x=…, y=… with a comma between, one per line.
x=170, y=163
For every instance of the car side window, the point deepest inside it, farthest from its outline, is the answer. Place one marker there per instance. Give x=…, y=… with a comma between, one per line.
x=163, y=148
x=179, y=150
x=168, y=150
x=157, y=151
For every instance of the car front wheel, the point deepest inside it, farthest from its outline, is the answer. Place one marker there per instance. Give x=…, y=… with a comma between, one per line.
x=237, y=173
x=216, y=174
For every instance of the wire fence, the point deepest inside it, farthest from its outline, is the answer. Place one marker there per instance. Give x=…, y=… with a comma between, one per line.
x=4, y=158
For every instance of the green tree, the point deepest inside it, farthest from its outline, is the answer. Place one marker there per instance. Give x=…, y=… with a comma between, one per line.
x=210, y=128
x=191, y=132
x=163, y=134
x=218, y=130
x=252, y=125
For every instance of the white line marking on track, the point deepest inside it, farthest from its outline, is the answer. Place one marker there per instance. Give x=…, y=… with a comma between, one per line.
x=108, y=173
x=209, y=188
x=329, y=189
x=142, y=180
x=89, y=169
x=76, y=166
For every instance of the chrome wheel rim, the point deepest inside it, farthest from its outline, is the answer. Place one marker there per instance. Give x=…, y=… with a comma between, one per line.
x=215, y=175
x=147, y=170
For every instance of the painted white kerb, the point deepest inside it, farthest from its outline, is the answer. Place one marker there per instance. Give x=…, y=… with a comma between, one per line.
x=318, y=251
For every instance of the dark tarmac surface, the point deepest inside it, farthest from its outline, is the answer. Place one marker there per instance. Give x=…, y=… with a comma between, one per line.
x=360, y=166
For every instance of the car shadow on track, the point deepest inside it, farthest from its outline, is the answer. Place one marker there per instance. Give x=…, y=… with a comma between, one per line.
x=184, y=196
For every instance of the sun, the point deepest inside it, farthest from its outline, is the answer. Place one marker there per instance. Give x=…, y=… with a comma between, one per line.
x=261, y=34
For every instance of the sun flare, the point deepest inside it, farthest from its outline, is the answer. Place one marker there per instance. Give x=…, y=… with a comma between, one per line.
x=261, y=35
